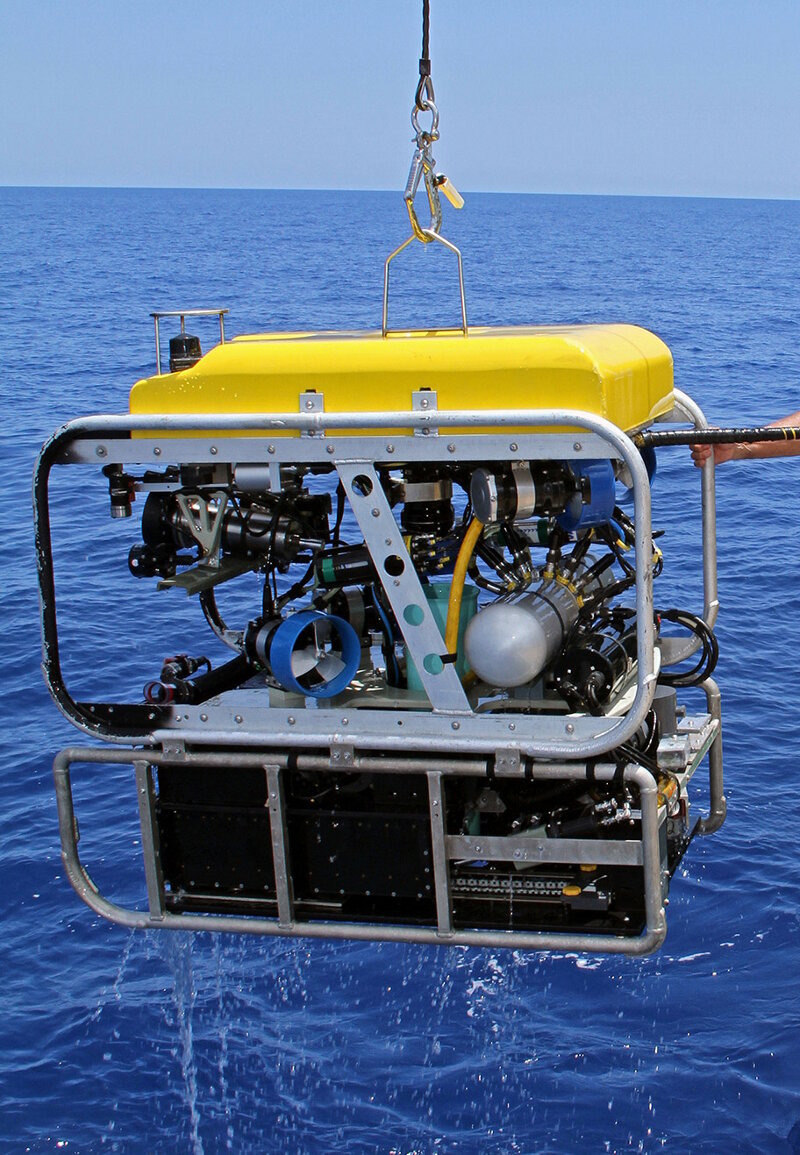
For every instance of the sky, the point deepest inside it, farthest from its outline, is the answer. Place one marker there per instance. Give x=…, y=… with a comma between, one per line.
x=671, y=98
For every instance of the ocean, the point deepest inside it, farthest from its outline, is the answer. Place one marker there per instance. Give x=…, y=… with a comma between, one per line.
x=112, y=1040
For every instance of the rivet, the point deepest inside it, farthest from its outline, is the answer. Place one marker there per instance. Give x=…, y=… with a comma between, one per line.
x=512, y=725
x=577, y=447
x=423, y=403
x=329, y=449
x=390, y=449
x=570, y=728
x=376, y=512
x=100, y=450
x=451, y=448
x=291, y=720
x=213, y=451
x=513, y=447
x=309, y=404
x=456, y=725
x=156, y=452
x=204, y=717
x=238, y=719
x=345, y=721
x=270, y=449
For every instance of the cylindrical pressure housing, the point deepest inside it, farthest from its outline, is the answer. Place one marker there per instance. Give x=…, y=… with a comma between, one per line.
x=512, y=640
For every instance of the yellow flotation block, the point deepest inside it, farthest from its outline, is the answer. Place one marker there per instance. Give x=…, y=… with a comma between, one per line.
x=620, y=372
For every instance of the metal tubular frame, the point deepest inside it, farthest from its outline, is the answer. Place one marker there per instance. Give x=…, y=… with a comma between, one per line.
x=575, y=737
x=644, y=852
x=409, y=741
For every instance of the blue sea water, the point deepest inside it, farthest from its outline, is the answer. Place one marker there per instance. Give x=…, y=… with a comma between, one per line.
x=119, y=1041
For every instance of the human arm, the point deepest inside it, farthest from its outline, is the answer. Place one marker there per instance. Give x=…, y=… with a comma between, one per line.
x=743, y=450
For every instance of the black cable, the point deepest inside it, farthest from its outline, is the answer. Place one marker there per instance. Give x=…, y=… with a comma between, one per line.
x=706, y=664
x=744, y=435
x=425, y=85
x=337, y=525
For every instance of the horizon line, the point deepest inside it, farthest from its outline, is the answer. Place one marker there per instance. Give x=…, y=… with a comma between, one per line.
x=393, y=191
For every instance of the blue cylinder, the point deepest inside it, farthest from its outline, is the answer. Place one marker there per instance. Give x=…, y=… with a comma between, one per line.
x=600, y=508
x=283, y=648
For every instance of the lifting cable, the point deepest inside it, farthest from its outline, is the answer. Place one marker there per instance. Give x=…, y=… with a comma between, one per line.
x=423, y=172
x=425, y=86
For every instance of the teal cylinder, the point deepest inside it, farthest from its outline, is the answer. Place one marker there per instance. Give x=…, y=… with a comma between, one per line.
x=438, y=596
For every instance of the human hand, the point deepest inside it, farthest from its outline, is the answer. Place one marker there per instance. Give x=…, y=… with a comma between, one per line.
x=701, y=454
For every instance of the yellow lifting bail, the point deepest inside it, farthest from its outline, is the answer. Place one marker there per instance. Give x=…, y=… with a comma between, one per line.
x=620, y=372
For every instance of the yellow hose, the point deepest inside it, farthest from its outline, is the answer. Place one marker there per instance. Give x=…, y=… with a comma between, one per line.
x=457, y=588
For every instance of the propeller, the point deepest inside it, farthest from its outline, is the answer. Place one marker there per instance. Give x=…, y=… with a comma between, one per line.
x=314, y=654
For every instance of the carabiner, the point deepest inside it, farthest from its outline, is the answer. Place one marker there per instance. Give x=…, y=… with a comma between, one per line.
x=422, y=164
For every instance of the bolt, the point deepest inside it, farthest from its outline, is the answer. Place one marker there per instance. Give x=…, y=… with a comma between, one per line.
x=270, y=449
x=100, y=450
x=423, y=403
x=309, y=404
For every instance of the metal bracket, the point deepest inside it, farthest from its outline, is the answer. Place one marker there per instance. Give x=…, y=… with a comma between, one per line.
x=507, y=762
x=312, y=402
x=425, y=401
x=206, y=528
x=343, y=754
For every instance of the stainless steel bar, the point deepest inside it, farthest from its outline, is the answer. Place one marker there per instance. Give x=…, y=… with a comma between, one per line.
x=402, y=586
x=692, y=412
x=520, y=849
x=651, y=854
x=158, y=347
x=151, y=848
x=410, y=418
x=441, y=866
x=280, y=847
x=718, y=803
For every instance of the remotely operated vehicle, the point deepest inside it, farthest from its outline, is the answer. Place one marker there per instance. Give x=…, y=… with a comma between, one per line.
x=451, y=715
x=448, y=708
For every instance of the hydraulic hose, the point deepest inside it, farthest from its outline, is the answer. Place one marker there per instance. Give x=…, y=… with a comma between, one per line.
x=468, y=544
